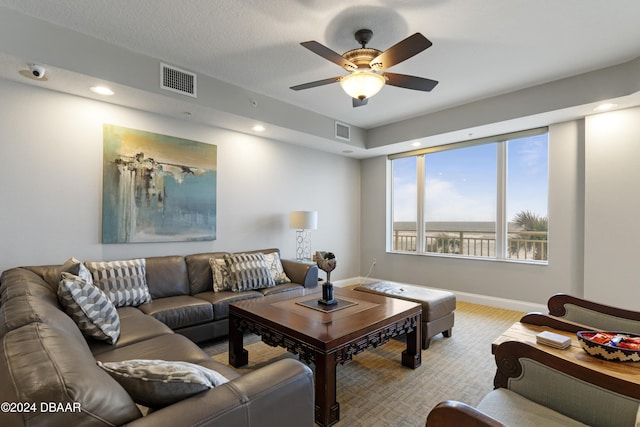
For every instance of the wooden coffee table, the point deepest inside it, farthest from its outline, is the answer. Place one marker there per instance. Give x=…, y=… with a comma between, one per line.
x=627, y=372
x=294, y=320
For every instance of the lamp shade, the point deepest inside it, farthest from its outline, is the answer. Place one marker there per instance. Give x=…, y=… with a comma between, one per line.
x=363, y=84
x=303, y=220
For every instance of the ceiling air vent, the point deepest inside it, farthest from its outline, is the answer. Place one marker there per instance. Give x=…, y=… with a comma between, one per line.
x=343, y=131
x=177, y=80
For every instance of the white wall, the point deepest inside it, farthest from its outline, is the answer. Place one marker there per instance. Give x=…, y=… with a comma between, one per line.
x=494, y=279
x=51, y=185
x=612, y=200
x=51, y=193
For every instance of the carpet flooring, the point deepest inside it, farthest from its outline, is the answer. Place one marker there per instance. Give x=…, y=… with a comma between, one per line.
x=375, y=390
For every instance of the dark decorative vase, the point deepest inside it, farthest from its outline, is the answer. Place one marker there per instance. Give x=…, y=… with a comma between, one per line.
x=327, y=294
x=326, y=262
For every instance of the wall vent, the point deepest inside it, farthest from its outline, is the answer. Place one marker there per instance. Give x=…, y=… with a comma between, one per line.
x=176, y=80
x=343, y=131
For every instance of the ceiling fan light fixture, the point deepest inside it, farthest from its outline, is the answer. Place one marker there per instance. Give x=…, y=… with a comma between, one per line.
x=362, y=84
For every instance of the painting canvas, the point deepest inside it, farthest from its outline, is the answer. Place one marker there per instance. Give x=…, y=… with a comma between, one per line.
x=157, y=188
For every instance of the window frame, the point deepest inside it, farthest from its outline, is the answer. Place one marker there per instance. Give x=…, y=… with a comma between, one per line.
x=501, y=242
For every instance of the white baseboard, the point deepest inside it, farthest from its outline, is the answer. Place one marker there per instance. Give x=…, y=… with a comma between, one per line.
x=508, y=304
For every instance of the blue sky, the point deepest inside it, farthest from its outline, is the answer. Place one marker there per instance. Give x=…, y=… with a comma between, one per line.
x=461, y=183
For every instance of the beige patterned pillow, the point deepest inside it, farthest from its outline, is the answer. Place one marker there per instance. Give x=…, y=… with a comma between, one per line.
x=157, y=383
x=221, y=276
x=276, y=269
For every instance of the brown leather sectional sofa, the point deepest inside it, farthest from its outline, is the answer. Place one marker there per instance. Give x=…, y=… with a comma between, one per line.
x=50, y=377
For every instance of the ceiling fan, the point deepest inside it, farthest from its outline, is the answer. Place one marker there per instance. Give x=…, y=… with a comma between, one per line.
x=365, y=66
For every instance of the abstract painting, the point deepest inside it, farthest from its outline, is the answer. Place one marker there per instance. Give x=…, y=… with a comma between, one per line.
x=157, y=188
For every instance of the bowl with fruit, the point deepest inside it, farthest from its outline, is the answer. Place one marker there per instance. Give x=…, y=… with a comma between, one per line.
x=616, y=346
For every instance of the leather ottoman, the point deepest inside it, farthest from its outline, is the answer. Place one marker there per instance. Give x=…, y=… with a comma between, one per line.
x=437, y=306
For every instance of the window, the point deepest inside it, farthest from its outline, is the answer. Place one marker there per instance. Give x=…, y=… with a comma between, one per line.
x=485, y=198
x=405, y=203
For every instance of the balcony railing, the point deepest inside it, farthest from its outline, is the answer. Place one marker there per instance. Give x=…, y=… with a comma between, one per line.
x=480, y=242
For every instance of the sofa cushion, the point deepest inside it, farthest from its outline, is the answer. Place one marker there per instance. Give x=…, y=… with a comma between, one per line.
x=27, y=298
x=49, y=273
x=44, y=363
x=135, y=326
x=89, y=307
x=248, y=271
x=283, y=287
x=199, y=269
x=179, y=311
x=166, y=347
x=167, y=276
x=512, y=409
x=275, y=268
x=223, y=369
x=23, y=281
x=220, y=273
x=157, y=383
x=124, y=282
x=221, y=300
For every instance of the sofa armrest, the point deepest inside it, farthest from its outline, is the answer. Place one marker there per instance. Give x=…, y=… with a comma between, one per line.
x=279, y=394
x=303, y=273
x=452, y=413
x=596, y=315
x=557, y=303
x=595, y=398
x=541, y=319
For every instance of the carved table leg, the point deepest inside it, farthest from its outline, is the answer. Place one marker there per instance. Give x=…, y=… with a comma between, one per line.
x=238, y=356
x=327, y=408
x=412, y=356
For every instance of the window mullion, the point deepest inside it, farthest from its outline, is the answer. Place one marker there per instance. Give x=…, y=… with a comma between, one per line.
x=421, y=188
x=501, y=202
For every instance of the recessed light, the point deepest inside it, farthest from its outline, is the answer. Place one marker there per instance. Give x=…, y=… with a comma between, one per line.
x=101, y=90
x=606, y=106
x=416, y=144
x=258, y=128
x=347, y=151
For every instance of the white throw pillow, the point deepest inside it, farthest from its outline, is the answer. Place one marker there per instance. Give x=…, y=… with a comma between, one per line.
x=157, y=383
x=221, y=276
x=276, y=269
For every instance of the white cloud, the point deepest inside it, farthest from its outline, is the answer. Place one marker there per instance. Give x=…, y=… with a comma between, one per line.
x=404, y=200
x=445, y=202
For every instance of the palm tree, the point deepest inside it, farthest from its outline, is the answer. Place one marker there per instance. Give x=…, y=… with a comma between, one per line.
x=444, y=244
x=534, y=228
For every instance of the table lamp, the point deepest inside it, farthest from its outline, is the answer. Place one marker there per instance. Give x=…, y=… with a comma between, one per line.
x=302, y=222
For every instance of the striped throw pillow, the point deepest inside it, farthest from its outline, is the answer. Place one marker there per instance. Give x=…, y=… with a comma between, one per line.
x=90, y=308
x=248, y=271
x=124, y=282
x=157, y=383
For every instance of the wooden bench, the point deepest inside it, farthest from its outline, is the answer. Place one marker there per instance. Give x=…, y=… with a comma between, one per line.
x=437, y=306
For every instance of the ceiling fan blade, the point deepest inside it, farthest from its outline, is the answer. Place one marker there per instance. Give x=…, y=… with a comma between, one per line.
x=315, y=84
x=329, y=54
x=410, y=82
x=359, y=102
x=400, y=51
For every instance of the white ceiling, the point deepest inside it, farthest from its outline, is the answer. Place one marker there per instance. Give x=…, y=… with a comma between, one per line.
x=481, y=48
